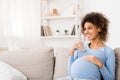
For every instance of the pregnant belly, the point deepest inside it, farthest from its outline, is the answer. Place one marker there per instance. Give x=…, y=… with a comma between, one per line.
x=83, y=68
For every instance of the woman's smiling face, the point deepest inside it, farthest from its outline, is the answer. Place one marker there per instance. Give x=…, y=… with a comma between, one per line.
x=91, y=31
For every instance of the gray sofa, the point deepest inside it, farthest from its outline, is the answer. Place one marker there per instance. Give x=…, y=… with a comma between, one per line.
x=44, y=63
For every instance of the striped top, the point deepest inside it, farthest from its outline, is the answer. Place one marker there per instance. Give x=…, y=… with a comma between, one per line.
x=80, y=68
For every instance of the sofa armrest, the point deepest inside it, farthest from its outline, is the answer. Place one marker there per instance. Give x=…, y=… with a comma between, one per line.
x=117, y=62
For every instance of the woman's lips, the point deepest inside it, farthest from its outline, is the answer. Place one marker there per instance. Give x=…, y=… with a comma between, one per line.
x=87, y=36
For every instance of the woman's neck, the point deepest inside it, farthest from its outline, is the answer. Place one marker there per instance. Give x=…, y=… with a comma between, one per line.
x=96, y=44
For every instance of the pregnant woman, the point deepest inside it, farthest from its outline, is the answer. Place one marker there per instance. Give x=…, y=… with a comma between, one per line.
x=97, y=61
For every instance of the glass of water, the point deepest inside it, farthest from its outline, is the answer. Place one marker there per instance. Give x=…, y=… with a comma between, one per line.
x=80, y=38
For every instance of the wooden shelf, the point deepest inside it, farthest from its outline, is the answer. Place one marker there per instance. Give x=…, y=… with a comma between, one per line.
x=58, y=17
x=68, y=17
x=53, y=37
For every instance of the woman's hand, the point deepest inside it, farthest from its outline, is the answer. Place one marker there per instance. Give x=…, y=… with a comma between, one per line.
x=77, y=45
x=94, y=60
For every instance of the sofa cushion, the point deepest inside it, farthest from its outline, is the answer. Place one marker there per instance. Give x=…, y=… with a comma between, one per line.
x=117, y=60
x=61, y=62
x=36, y=64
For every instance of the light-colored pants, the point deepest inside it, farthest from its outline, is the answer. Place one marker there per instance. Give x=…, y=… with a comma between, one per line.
x=69, y=78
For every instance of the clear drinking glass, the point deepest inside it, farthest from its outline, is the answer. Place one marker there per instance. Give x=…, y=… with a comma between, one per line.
x=81, y=39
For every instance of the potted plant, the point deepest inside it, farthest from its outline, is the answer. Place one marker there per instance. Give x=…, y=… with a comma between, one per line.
x=66, y=32
x=58, y=32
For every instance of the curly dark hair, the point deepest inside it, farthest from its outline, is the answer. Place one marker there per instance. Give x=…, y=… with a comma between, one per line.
x=99, y=20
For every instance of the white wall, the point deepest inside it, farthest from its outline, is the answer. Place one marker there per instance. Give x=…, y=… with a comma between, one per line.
x=111, y=10
x=27, y=12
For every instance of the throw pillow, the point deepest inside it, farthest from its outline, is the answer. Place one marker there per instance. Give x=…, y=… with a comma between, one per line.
x=7, y=72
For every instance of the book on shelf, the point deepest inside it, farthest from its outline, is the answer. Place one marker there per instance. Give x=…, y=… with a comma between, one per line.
x=42, y=31
x=73, y=32
x=48, y=29
x=45, y=31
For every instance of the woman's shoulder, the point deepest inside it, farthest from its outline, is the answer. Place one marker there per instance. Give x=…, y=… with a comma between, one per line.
x=108, y=50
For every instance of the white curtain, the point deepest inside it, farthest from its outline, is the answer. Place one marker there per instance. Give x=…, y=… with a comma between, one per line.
x=19, y=23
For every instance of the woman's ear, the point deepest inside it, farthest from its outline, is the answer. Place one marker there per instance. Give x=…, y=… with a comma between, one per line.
x=99, y=30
